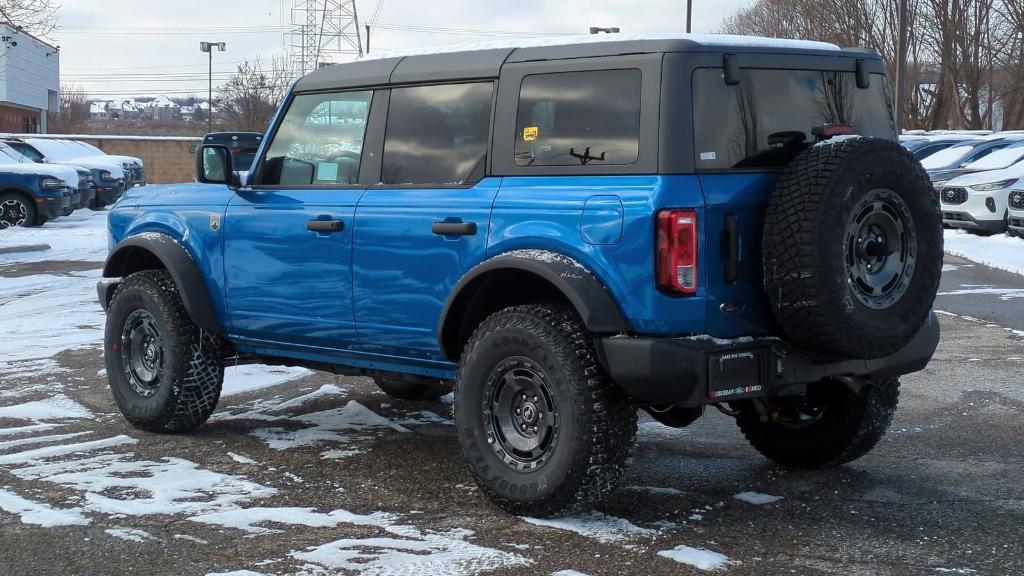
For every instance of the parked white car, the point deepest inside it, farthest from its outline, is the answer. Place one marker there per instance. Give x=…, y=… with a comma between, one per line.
x=107, y=175
x=1015, y=220
x=979, y=202
x=74, y=150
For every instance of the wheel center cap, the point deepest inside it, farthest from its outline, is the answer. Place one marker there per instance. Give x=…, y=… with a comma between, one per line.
x=529, y=412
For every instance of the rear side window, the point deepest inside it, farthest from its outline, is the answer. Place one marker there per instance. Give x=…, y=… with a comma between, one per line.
x=579, y=118
x=767, y=119
x=320, y=141
x=437, y=134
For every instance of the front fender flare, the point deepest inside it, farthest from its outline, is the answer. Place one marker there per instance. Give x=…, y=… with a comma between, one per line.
x=587, y=294
x=138, y=252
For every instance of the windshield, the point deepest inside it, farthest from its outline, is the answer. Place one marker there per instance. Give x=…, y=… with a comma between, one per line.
x=948, y=157
x=998, y=159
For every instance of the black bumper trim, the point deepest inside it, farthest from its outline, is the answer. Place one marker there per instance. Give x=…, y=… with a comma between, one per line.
x=696, y=372
x=105, y=291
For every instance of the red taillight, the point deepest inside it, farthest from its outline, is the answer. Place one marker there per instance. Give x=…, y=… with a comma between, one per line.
x=826, y=131
x=677, y=251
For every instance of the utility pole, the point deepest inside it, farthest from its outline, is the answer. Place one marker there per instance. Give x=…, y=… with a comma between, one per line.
x=208, y=48
x=689, y=16
x=901, y=66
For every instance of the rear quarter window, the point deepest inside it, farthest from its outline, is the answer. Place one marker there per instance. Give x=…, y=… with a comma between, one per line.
x=767, y=119
x=579, y=118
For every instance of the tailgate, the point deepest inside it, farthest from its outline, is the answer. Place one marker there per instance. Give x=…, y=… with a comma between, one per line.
x=733, y=224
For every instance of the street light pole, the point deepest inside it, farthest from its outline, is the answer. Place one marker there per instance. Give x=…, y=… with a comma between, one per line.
x=689, y=16
x=208, y=47
x=901, y=65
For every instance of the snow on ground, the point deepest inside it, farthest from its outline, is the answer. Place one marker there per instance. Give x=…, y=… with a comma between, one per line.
x=756, y=498
x=129, y=534
x=568, y=573
x=81, y=236
x=1000, y=251
x=251, y=377
x=343, y=425
x=600, y=527
x=699, y=558
x=1001, y=293
x=40, y=514
x=53, y=408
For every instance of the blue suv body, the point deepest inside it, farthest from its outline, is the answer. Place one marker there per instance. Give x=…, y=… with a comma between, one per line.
x=536, y=225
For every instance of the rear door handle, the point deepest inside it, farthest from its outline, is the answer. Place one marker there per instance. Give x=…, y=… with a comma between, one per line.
x=454, y=228
x=325, y=226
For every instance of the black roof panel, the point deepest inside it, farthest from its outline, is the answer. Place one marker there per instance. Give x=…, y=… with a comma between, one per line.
x=352, y=75
x=454, y=66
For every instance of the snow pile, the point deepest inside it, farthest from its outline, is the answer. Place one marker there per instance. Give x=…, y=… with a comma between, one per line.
x=53, y=408
x=343, y=425
x=699, y=558
x=756, y=498
x=1000, y=252
x=601, y=527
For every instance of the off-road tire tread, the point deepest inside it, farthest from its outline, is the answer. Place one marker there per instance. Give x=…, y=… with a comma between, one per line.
x=872, y=415
x=792, y=259
x=197, y=392
x=596, y=471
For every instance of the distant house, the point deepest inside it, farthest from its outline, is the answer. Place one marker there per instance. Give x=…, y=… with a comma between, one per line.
x=163, y=108
x=98, y=111
x=198, y=110
x=29, y=81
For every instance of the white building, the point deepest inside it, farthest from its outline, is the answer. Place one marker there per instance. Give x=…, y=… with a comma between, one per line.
x=29, y=81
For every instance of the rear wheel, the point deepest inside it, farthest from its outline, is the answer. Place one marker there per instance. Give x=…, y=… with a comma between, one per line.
x=829, y=426
x=16, y=210
x=164, y=372
x=543, y=429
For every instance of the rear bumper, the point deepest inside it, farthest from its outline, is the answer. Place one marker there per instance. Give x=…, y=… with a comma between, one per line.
x=700, y=371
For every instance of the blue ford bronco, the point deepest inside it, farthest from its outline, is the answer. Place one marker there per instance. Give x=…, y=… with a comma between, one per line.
x=562, y=235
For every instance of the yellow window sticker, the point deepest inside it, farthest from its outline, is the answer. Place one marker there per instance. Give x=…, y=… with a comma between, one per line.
x=530, y=133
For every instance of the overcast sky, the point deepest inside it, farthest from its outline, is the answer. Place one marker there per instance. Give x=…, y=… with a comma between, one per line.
x=126, y=47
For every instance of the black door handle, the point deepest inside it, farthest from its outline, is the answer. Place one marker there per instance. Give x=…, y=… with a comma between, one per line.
x=454, y=228
x=327, y=226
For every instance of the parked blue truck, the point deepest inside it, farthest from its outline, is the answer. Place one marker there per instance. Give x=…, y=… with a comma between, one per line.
x=562, y=235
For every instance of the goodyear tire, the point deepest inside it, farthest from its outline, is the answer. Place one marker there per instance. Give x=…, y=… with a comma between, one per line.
x=543, y=429
x=405, y=387
x=852, y=248
x=164, y=372
x=830, y=426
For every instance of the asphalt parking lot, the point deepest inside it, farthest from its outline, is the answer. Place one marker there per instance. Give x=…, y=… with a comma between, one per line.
x=307, y=473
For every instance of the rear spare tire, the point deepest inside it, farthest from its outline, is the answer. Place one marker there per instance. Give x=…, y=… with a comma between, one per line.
x=852, y=248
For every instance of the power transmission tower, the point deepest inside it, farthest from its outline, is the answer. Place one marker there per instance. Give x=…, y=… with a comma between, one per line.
x=321, y=31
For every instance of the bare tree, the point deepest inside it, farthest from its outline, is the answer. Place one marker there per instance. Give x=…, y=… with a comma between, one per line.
x=249, y=98
x=37, y=17
x=73, y=115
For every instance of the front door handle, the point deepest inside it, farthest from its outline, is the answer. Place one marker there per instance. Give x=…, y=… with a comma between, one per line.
x=325, y=226
x=454, y=228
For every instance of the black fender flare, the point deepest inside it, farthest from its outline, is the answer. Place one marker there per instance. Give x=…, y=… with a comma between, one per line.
x=587, y=294
x=151, y=250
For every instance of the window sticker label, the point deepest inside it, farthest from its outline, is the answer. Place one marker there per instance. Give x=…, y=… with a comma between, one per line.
x=707, y=156
x=530, y=133
x=327, y=172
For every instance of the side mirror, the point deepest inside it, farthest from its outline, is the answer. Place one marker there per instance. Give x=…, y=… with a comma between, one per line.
x=213, y=164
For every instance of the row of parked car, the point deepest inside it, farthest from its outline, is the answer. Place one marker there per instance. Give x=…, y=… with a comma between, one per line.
x=978, y=175
x=42, y=179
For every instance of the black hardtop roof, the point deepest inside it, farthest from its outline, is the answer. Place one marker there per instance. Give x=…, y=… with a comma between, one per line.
x=485, y=60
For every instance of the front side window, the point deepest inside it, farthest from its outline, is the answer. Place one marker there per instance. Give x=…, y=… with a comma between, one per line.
x=579, y=119
x=320, y=141
x=437, y=134
x=767, y=119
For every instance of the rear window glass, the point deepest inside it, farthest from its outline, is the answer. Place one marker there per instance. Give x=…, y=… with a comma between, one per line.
x=579, y=118
x=767, y=119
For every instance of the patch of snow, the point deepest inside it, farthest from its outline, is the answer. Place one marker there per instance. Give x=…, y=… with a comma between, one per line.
x=24, y=429
x=955, y=570
x=656, y=490
x=1004, y=294
x=595, y=525
x=699, y=558
x=241, y=459
x=839, y=139
x=1000, y=252
x=40, y=454
x=250, y=377
x=247, y=519
x=270, y=410
x=236, y=573
x=128, y=534
x=40, y=439
x=949, y=268
x=756, y=498
x=346, y=424
x=40, y=514
x=188, y=538
x=568, y=573
x=708, y=40
x=53, y=408
x=338, y=454
x=82, y=236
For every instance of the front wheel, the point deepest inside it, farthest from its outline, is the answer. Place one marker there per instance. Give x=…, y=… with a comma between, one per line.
x=829, y=426
x=542, y=427
x=164, y=372
x=15, y=210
